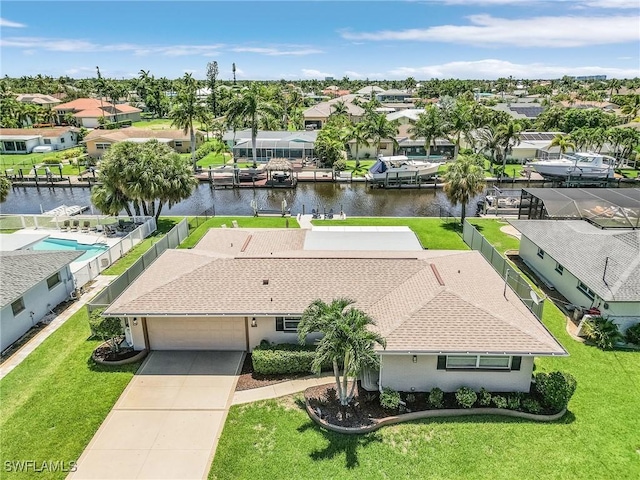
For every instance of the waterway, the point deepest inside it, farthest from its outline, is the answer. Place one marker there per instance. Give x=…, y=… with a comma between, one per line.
x=354, y=199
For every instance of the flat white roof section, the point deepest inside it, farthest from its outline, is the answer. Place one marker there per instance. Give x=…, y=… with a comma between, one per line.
x=17, y=241
x=362, y=238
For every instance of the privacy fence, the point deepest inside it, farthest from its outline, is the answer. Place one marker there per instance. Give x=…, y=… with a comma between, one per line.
x=513, y=278
x=172, y=239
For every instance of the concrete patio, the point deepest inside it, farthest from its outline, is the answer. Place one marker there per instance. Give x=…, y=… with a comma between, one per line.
x=168, y=420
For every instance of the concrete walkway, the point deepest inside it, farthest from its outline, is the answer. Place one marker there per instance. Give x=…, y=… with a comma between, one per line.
x=510, y=230
x=167, y=422
x=281, y=389
x=12, y=362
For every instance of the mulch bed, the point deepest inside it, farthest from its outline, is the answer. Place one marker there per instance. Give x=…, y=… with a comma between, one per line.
x=248, y=379
x=105, y=354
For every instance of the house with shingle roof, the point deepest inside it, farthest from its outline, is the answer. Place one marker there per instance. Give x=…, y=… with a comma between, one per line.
x=33, y=283
x=99, y=141
x=25, y=140
x=88, y=111
x=444, y=314
x=589, y=266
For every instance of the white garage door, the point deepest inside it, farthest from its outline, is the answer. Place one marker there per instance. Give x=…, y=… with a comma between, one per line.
x=197, y=333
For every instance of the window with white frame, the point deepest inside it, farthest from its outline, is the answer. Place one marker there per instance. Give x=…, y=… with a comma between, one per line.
x=53, y=280
x=559, y=268
x=480, y=362
x=540, y=252
x=287, y=324
x=102, y=146
x=586, y=290
x=17, y=306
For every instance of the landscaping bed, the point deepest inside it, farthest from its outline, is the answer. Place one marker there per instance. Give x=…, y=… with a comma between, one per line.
x=249, y=379
x=366, y=413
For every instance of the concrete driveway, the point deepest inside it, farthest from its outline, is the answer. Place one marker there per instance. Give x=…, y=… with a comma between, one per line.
x=167, y=422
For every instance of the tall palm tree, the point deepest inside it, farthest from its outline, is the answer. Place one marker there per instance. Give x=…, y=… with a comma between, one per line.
x=347, y=342
x=429, y=126
x=632, y=108
x=457, y=116
x=380, y=128
x=187, y=110
x=339, y=109
x=509, y=134
x=358, y=133
x=489, y=140
x=463, y=179
x=565, y=142
x=250, y=107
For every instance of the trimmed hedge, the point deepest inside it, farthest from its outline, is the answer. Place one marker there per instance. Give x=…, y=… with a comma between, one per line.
x=283, y=359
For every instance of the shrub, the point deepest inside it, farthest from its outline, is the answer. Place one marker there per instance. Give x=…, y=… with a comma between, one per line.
x=531, y=405
x=107, y=329
x=513, y=402
x=51, y=161
x=436, y=398
x=555, y=389
x=499, y=401
x=207, y=147
x=484, y=397
x=602, y=331
x=339, y=165
x=389, y=399
x=411, y=398
x=633, y=334
x=283, y=359
x=466, y=397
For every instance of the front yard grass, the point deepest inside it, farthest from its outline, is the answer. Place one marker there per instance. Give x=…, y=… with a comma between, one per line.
x=55, y=400
x=164, y=225
x=243, y=222
x=490, y=229
x=597, y=438
x=433, y=233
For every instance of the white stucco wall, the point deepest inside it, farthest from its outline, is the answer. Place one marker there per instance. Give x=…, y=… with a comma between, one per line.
x=57, y=144
x=39, y=300
x=90, y=122
x=624, y=314
x=401, y=373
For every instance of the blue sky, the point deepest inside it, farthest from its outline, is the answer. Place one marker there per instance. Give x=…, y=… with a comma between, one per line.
x=304, y=39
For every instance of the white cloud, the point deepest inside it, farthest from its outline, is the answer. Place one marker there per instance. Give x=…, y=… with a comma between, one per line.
x=622, y=4
x=311, y=73
x=9, y=24
x=485, y=30
x=353, y=75
x=493, y=68
x=611, y=3
x=276, y=51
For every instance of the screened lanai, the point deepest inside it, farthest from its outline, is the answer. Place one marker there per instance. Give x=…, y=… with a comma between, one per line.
x=271, y=144
x=604, y=207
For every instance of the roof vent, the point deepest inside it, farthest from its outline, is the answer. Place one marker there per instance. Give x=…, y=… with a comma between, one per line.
x=265, y=281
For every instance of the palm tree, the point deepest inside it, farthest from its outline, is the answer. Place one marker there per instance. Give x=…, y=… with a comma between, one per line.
x=380, y=128
x=358, y=133
x=457, y=116
x=429, y=126
x=509, y=134
x=463, y=179
x=250, y=107
x=564, y=142
x=339, y=109
x=489, y=140
x=188, y=110
x=347, y=342
x=632, y=108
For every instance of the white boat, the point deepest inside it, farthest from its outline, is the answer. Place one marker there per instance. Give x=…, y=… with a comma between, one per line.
x=584, y=165
x=400, y=167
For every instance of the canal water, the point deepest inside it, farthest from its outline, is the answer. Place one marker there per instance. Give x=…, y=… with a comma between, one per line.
x=355, y=199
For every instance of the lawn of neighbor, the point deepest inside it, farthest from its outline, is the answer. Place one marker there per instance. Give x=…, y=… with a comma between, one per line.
x=598, y=438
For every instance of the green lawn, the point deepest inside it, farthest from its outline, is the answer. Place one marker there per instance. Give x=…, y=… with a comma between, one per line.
x=433, y=233
x=55, y=400
x=490, y=229
x=598, y=438
x=243, y=222
x=27, y=160
x=628, y=172
x=161, y=124
x=164, y=225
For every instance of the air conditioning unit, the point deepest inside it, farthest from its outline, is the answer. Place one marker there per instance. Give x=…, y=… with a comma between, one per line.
x=104, y=262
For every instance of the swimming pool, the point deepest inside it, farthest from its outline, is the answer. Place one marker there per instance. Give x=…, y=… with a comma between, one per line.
x=90, y=251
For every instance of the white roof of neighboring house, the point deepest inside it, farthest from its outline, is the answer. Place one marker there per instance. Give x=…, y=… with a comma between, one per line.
x=369, y=89
x=429, y=301
x=410, y=113
x=18, y=241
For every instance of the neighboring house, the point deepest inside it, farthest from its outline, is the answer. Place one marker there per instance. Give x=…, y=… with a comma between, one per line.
x=88, y=111
x=34, y=283
x=272, y=144
x=317, y=115
x=393, y=96
x=589, y=266
x=98, y=141
x=444, y=314
x=519, y=111
x=24, y=140
x=369, y=90
x=38, y=99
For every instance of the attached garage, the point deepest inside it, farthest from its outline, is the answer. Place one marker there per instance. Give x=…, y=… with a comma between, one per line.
x=197, y=333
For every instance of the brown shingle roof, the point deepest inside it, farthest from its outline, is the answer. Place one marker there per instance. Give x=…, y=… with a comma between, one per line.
x=412, y=309
x=45, y=132
x=133, y=132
